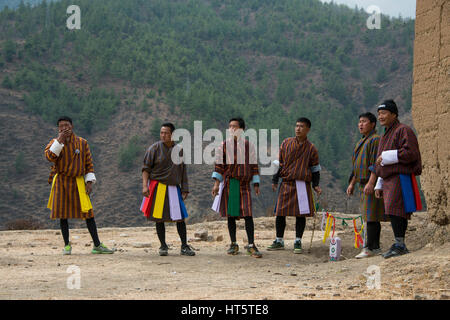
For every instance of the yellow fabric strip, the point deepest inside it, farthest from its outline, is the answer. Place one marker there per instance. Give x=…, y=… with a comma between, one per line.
x=159, y=201
x=52, y=191
x=85, y=202
x=328, y=228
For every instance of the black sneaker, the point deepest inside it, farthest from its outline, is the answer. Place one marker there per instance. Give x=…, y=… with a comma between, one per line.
x=187, y=251
x=395, y=251
x=164, y=250
x=254, y=252
x=234, y=249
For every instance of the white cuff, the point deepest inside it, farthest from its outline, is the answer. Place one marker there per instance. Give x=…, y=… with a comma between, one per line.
x=379, y=185
x=389, y=157
x=56, y=147
x=217, y=176
x=90, y=177
x=255, y=179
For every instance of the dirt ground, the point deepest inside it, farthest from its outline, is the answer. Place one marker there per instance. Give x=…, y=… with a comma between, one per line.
x=32, y=266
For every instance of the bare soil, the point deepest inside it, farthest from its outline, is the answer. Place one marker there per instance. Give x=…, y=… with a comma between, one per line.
x=32, y=266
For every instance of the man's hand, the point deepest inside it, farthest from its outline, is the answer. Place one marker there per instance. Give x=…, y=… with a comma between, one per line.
x=215, y=189
x=63, y=135
x=257, y=190
x=89, y=187
x=318, y=190
x=274, y=187
x=378, y=162
x=145, y=191
x=379, y=193
x=369, y=189
x=184, y=195
x=350, y=189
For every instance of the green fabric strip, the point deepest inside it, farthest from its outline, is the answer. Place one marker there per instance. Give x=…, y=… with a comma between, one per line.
x=233, y=198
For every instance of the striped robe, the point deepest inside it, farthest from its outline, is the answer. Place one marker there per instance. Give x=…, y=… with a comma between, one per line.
x=363, y=160
x=402, y=138
x=74, y=160
x=241, y=165
x=296, y=161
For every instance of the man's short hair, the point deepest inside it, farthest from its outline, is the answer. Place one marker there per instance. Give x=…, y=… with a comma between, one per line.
x=241, y=122
x=169, y=125
x=370, y=116
x=305, y=120
x=64, y=118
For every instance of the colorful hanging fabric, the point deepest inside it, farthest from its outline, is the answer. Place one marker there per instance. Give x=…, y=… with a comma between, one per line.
x=358, y=239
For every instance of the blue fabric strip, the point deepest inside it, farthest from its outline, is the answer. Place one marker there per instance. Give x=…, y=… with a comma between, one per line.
x=409, y=202
x=182, y=206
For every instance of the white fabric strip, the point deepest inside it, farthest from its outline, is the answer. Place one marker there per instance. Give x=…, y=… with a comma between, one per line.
x=56, y=147
x=389, y=157
x=174, y=203
x=90, y=177
x=379, y=185
x=216, y=203
x=302, y=196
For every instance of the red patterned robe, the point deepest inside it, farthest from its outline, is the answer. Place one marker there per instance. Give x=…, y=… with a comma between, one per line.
x=245, y=170
x=403, y=139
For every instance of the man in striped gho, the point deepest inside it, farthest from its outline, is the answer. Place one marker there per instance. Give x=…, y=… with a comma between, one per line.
x=299, y=168
x=71, y=177
x=236, y=168
x=363, y=173
x=398, y=162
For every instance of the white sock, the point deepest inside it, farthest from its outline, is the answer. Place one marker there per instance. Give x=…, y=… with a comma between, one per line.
x=279, y=239
x=298, y=239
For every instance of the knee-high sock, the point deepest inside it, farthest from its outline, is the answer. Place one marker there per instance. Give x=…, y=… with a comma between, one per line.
x=161, y=231
x=300, y=223
x=232, y=228
x=181, y=227
x=280, y=225
x=373, y=234
x=92, y=227
x=399, y=226
x=64, y=230
x=250, y=229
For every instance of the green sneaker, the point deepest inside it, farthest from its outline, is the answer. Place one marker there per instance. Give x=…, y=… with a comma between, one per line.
x=297, y=247
x=67, y=251
x=276, y=245
x=234, y=249
x=102, y=249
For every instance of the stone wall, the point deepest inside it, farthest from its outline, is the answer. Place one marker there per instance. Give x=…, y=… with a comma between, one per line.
x=431, y=105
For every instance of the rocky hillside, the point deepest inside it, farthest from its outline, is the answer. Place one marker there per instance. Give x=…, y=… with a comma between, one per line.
x=135, y=64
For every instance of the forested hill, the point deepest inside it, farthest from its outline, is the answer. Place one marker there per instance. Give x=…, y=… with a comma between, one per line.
x=14, y=4
x=269, y=61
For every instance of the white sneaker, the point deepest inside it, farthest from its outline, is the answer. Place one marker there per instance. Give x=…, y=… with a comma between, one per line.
x=365, y=253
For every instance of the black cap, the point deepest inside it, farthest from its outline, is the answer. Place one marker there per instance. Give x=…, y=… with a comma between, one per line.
x=388, y=105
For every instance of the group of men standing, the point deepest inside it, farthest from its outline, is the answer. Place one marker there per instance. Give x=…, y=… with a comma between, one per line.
x=377, y=164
